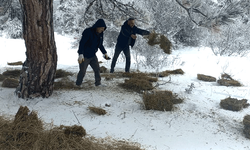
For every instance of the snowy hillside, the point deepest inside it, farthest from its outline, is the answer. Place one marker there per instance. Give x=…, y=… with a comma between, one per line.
x=199, y=123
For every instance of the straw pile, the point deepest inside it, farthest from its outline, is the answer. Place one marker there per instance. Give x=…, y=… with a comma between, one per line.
x=26, y=132
x=206, y=78
x=10, y=83
x=160, y=100
x=18, y=63
x=62, y=73
x=233, y=104
x=168, y=72
x=65, y=84
x=227, y=80
x=103, y=69
x=98, y=110
x=246, y=122
x=161, y=40
x=12, y=73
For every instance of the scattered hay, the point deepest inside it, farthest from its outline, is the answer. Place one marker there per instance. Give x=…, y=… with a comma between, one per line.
x=158, y=39
x=227, y=80
x=10, y=83
x=140, y=75
x=26, y=132
x=18, y=63
x=65, y=84
x=233, y=104
x=12, y=73
x=246, y=122
x=168, y=72
x=206, y=78
x=62, y=73
x=137, y=85
x=98, y=110
x=160, y=100
x=103, y=69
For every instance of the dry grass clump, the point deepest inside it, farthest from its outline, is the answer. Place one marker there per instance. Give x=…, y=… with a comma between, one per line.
x=98, y=110
x=206, y=78
x=137, y=84
x=139, y=75
x=160, y=100
x=246, y=122
x=227, y=80
x=2, y=77
x=26, y=132
x=158, y=39
x=62, y=73
x=12, y=73
x=168, y=72
x=103, y=69
x=65, y=84
x=10, y=83
x=18, y=63
x=233, y=104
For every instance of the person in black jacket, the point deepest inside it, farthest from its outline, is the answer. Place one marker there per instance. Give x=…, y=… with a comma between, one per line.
x=92, y=39
x=126, y=37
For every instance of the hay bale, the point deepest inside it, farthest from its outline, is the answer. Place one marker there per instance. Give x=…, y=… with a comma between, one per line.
x=12, y=73
x=169, y=72
x=158, y=101
x=2, y=77
x=227, y=80
x=206, y=78
x=233, y=104
x=98, y=110
x=246, y=122
x=103, y=69
x=26, y=132
x=139, y=75
x=62, y=73
x=73, y=131
x=18, y=63
x=10, y=83
x=65, y=84
x=160, y=39
x=137, y=84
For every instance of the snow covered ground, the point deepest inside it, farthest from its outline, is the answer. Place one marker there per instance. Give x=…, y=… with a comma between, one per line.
x=197, y=124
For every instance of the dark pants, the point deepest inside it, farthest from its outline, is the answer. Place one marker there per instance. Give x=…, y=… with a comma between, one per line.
x=93, y=62
x=126, y=52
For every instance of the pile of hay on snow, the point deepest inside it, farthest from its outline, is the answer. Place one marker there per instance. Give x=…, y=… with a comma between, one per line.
x=206, y=78
x=65, y=84
x=159, y=39
x=26, y=132
x=62, y=73
x=160, y=100
x=103, y=69
x=233, y=104
x=227, y=80
x=140, y=75
x=18, y=63
x=246, y=122
x=168, y=72
x=12, y=73
x=10, y=83
x=2, y=77
x=98, y=110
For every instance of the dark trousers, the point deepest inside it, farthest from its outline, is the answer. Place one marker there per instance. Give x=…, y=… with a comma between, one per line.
x=93, y=62
x=126, y=52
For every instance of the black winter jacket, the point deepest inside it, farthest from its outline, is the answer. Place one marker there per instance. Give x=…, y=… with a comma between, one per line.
x=124, y=39
x=91, y=40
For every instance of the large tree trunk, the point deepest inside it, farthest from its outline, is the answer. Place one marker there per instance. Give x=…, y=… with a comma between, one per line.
x=38, y=72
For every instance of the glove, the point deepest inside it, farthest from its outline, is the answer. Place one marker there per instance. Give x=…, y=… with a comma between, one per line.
x=105, y=56
x=80, y=59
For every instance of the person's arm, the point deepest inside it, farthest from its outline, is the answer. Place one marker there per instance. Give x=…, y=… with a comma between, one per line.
x=141, y=31
x=101, y=47
x=85, y=38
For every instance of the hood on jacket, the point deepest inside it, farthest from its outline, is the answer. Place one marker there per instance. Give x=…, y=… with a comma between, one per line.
x=100, y=23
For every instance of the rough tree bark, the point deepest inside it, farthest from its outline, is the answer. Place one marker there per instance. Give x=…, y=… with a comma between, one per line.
x=38, y=72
